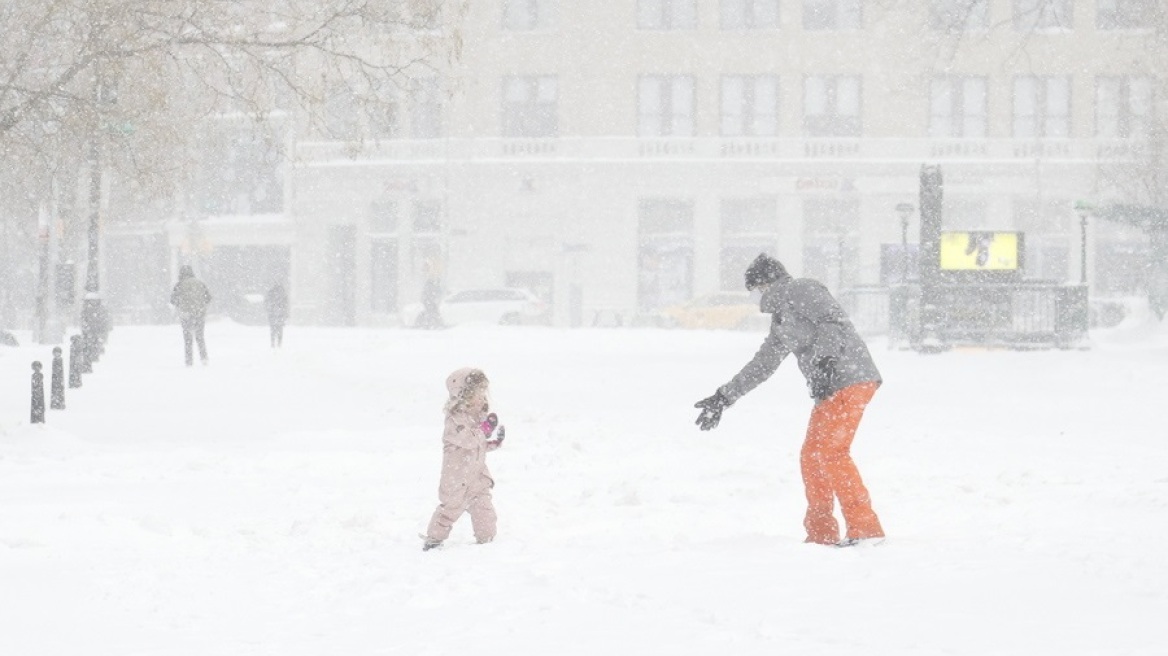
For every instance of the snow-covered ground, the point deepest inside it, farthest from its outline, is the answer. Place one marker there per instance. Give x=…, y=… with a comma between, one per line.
x=270, y=502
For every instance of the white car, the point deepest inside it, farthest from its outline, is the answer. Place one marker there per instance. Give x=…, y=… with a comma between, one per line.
x=495, y=305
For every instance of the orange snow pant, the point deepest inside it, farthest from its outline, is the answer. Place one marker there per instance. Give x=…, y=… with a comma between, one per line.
x=829, y=472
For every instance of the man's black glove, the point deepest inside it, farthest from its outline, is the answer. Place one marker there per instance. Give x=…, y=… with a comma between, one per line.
x=712, y=407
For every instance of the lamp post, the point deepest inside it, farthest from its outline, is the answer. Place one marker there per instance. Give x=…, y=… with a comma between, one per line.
x=905, y=211
x=1083, y=209
x=42, y=297
x=91, y=310
x=93, y=325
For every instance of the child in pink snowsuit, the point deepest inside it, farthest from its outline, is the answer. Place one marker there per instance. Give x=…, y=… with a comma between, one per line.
x=466, y=482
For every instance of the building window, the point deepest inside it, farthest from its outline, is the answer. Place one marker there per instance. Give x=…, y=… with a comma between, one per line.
x=666, y=216
x=384, y=118
x=958, y=107
x=341, y=119
x=381, y=107
x=1047, y=228
x=528, y=15
x=383, y=278
x=383, y=217
x=426, y=108
x=750, y=106
x=1042, y=107
x=831, y=240
x=422, y=15
x=1123, y=106
x=667, y=14
x=665, y=257
x=1042, y=15
x=964, y=212
x=427, y=216
x=352, y=115
x=241, y=170
x=1124, y=14
x=665, y=106
x=833, y=14
x=750, y=14
x=530, y=107
x=956, y=16
x=749, y=226
x=831, y=106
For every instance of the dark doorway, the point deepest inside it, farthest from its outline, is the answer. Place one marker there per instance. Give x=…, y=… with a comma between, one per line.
x=239, y=276
x=341, y=255
x=665, y=274
x=383, y=278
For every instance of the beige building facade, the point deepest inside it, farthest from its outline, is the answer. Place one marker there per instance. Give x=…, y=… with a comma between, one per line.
x=619, y=156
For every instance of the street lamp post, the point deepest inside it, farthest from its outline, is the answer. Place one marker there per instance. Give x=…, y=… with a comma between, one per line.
x=91, y=304
x=1083, y=210
x=93, y=319
x=1083, y=249
x=42, y=297
x=905, y=211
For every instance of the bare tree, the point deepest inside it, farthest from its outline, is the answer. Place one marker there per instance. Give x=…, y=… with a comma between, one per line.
x=134, y=83
x=137, y=76
x=123, y=59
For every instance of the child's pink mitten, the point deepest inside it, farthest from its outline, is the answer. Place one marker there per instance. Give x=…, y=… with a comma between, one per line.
x=489, y=424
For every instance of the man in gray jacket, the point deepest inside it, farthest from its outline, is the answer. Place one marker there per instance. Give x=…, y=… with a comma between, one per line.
x=840, y=374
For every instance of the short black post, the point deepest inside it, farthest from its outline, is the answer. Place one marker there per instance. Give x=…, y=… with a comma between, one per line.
x=86, y=353
x=75, y=361
x=38, y=394
x=57, y=387
x=98, y=346
x=105, y=329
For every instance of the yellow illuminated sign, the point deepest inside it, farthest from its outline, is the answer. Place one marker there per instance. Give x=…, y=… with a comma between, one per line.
x=979, y=251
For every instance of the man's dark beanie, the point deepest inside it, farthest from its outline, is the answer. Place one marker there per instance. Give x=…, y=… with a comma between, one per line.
x=763, y=271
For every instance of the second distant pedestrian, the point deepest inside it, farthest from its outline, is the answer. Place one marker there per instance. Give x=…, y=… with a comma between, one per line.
x=276, y=302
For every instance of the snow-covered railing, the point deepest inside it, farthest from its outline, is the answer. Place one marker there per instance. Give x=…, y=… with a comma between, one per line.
x=309, y=153
x=1017, y=315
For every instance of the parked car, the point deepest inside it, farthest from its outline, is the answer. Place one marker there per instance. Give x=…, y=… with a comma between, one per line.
x=495, y=305
x=721, y=310
x=246, y=308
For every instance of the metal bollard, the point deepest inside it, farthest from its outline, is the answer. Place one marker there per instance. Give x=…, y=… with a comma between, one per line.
x=38, y=394
x=57, y=387
x=86, y=353
x=75, y=361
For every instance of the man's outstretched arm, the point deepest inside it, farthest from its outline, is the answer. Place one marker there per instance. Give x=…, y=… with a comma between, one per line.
x=764, y=363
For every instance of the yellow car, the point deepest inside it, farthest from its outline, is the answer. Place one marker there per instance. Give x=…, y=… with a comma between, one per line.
x=721, y=310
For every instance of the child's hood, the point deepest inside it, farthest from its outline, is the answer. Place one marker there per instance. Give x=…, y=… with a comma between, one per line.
x=457, y=381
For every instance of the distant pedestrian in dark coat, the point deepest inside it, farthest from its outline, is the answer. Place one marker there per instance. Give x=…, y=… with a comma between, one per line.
x=190, y=297
x=431, y=316
x=276, y=301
